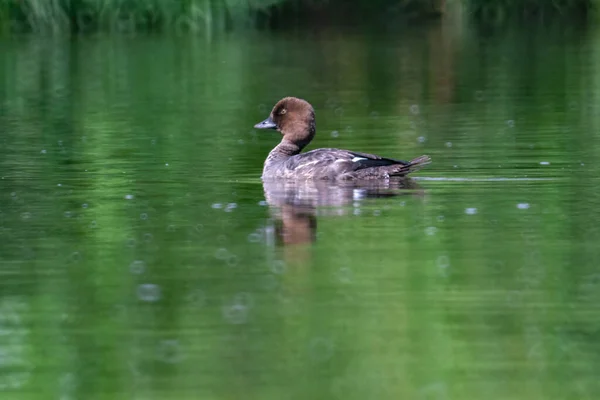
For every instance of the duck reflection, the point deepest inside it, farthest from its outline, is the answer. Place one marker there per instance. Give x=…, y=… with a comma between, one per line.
x=295, y=206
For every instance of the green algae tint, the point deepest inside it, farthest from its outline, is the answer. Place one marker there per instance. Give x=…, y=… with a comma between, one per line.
x=141, y=256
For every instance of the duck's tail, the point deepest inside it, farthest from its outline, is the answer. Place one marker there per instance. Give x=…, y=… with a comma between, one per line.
x=418, y=163
x=407, y=167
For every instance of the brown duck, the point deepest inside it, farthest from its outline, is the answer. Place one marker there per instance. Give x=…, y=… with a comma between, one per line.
x=295, y=119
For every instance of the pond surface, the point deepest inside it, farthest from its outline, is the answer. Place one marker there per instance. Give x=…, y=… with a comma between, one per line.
x=141, y=256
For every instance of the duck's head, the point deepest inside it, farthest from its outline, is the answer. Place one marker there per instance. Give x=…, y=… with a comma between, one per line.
x=294, y=118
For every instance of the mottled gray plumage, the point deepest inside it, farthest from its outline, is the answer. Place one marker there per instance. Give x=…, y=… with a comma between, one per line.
x=295, y=119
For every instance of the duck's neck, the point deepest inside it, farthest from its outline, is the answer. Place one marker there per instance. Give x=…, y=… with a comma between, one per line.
x=285, y=149
x=280, y=153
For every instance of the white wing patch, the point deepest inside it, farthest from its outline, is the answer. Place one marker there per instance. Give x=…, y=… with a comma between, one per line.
x=357, y=159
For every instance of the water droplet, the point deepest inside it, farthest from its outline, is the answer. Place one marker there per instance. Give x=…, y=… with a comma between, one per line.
x=169, y=351
x=197, y=298
x=479, y=95
x=244, y=299
x=374, y=115
x=510, y=123
x=431, y=230
x=471, y=211
x=448, y=144
x=60, y=142
x=278, y=267
x=222, y=253
x=149, y=292
x=43, y=151
x=75, y=256
x=339, y=111
x=26, y=215
x=335, y=134
x=230, y=207
x=232, y=260
x=414, y=109
x=166, y=164
x=443, y=261
x=269, y=282
x=199, y=227
x=421, y=139
x=544, y=162
x=68, y=214
x=93, y=224
x=129, y=197
x=148, y=237
x=84, y=205
x=254, y=237
x=320, y=349
x=131, y=242
x=345, y=275
x=217, y=206
x=143, y=216
x=262, y=203
x=137, y=267
x=523, y=206
x=13, y=194
x=441, y=218
x=59, y=184
x=376, y=213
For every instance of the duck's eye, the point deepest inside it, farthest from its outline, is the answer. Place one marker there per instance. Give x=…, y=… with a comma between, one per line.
x=283, y=111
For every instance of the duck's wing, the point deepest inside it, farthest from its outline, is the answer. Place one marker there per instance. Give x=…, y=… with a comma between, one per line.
x=341, y=160
x=365, y=160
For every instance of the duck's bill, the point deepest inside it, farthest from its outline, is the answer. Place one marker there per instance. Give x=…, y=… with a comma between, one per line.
x=266, y=124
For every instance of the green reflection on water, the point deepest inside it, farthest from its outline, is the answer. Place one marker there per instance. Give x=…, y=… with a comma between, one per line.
x=140, y=259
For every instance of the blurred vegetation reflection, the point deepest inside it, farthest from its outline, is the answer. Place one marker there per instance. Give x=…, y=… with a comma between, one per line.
x=209, y=16
x=141, y=256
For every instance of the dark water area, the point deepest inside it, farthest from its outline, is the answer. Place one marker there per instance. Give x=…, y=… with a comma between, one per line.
x=141, y=256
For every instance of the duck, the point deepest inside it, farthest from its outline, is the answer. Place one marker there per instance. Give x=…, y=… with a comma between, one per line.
x=294, y=118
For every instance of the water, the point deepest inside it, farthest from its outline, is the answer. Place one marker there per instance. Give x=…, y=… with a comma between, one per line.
x=142, y=257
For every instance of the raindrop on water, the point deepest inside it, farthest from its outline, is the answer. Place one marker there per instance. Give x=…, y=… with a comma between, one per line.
x=254, y=237
x=149, y=292
x=169, y=351
x=137, y=267
x=345, y=275
x=278, y=267
x=320, y=349
x=443, y=261
x=232, y=260
x=222, y=253
x=431, y=230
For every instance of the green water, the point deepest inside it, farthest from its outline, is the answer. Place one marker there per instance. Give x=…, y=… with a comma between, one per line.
x=140, y=258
